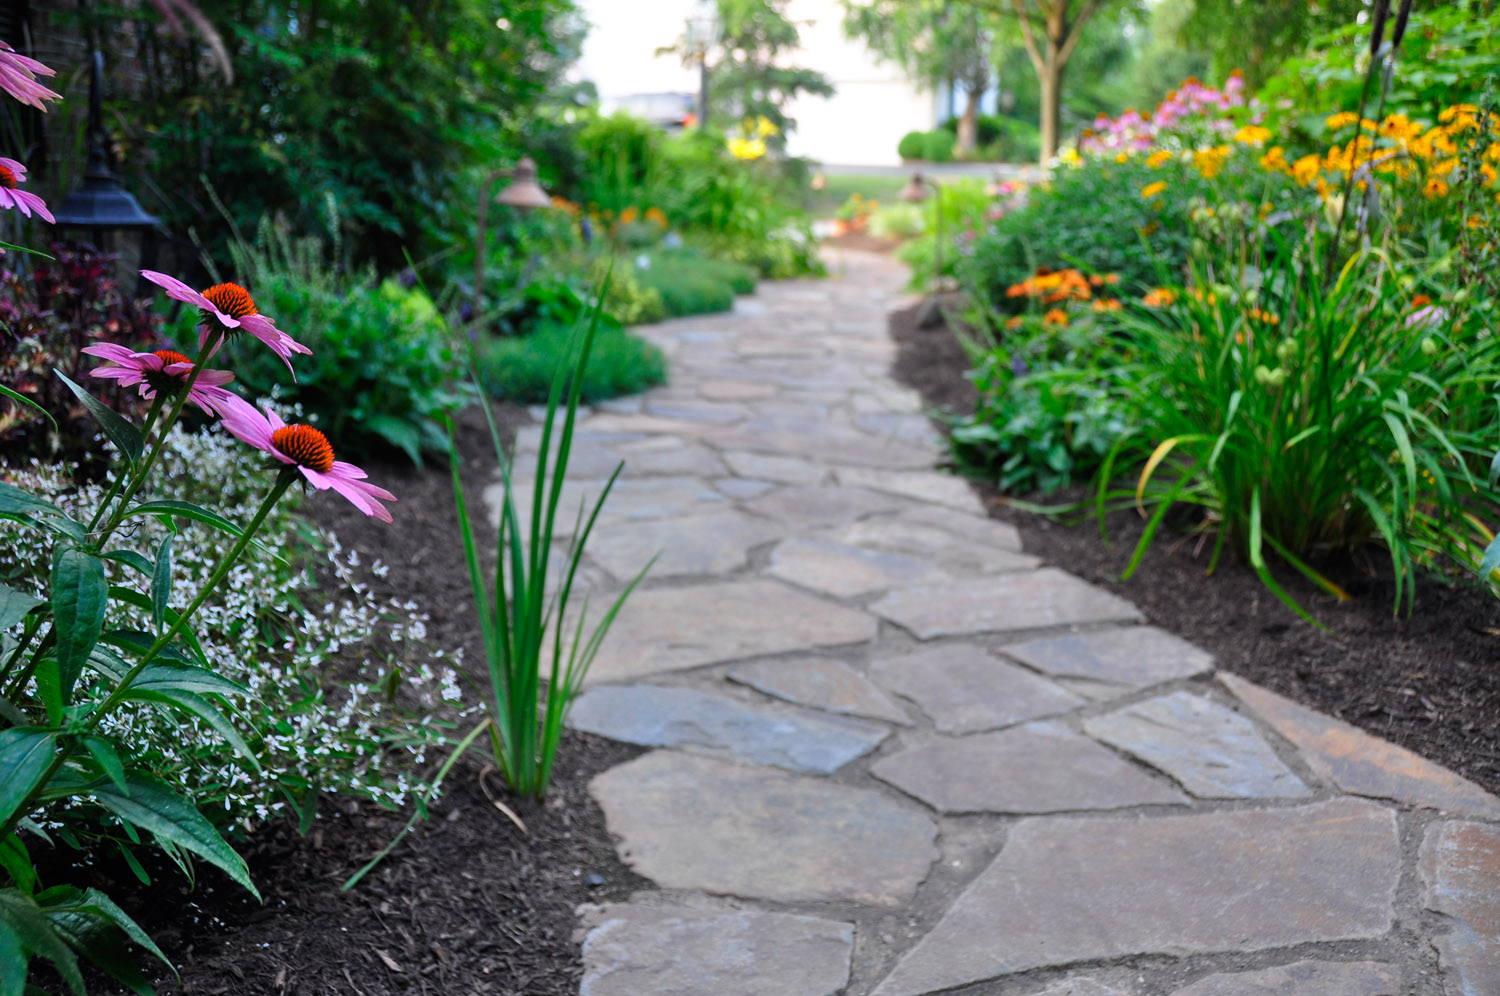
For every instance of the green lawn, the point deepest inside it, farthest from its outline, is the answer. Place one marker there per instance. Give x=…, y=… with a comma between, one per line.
x=823, y=203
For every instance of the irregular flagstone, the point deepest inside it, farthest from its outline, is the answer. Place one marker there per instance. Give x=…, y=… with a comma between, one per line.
x=690, y=822
x=1304, y=978
x=782, y=469
x=665, y=455
x=847, y=571
x=1460, y=869
x=655, y=716
x=1359, y=763
x=811, y=507
x=668, y=629
x=976, y=528
x=716, y=543
x=1108, y=663
x=629, y=500
x=640, y=950
x=697, y=411
x=1065, y=890
x=965, y=689
x=926, y=486
x=1010, y=602
x=1082, y=987
x=742, y=487
x=834, y=446
x=1212, y=751
x=1038, y=768
x=819, y=683
x=909, y=428
x=734, y=390
x=901, y=533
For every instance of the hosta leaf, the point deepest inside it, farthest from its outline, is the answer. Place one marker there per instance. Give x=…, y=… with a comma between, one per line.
x=126, y=437
x=152, y=806
x=79, y=594
x=25, y=754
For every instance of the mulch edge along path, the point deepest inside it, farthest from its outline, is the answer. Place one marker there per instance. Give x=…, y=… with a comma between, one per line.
x=1428, y=682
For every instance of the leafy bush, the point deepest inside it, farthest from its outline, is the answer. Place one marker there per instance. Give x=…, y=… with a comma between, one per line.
x=897, y=221
x=937, y=146
x=1017, y=142
x=627, y=299
x=783, y=254
x=381, y=373
x=963, y=203
x=913, y=145
x=522, y=368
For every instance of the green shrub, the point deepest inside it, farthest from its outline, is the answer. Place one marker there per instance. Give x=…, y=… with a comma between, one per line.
x=627, y=299
x=521, y=368
x=937, y=146
x=963, y=204
x=692, y=284
x=785, y=253
x=913, y=145
x=897, y=221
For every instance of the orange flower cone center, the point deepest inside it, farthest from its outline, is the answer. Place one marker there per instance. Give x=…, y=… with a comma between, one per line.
x=305, y=445
x=8, y=178
x=162, y=381
x=232, y=299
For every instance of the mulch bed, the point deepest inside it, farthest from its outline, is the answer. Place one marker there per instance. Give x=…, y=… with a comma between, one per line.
x=466, y=903
x=1427, y=681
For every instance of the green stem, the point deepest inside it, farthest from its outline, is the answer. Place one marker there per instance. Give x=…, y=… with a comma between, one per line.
x=114, y=487
x=33, y=623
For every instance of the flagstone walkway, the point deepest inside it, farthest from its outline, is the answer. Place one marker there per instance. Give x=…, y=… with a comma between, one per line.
x=896, y=755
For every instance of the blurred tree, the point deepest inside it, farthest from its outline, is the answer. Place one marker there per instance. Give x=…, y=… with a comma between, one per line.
x=935, y=42
x=1255, y=36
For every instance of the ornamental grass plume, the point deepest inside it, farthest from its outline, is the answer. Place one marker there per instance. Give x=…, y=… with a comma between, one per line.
x=234, y=310
x=308, y=450
x=18, y=78
x=162, y=371
x=12, y=175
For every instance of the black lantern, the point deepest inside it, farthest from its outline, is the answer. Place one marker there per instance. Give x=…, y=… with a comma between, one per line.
x=101, y=205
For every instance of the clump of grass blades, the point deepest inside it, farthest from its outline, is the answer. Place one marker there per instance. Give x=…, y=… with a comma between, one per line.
x=1306, y=416
x=524, y=368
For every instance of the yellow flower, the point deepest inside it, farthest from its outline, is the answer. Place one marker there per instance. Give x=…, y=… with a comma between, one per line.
x=1457, y=110
x=765, y=127
x=1399, y=126
x=1155, y=159
x=1150, y=190
x=1487, y=170
x=1274, y=161
x=1304, y=169
x=1252, y=135
x=1069, y=156
x=1342, y=119
x=1445, y=167
x=1475, y=221
x=747, y=148
x=1122, y=157
x=1434, y=188
x=1210, y=161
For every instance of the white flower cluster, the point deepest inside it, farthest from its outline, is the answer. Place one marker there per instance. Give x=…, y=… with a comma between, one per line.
x=344, y=694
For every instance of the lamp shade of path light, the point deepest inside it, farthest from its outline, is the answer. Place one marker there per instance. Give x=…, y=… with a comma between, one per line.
x=522, y=193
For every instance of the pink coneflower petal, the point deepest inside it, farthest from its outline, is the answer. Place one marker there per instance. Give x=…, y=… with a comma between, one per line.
x=12, y=175
x=179, y=291
x=18, y=78
x=235, y=309
x=308, y=450
x=161, y=370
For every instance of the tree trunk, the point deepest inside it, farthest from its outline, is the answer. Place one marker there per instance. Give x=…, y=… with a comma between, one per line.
x=968, y=125
x=1051, y=117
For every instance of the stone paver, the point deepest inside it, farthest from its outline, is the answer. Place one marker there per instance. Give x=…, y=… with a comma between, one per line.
x=640, y=950
x=653, y=716
x=667, y=629
x=1460, y=869
x=1104, y=664
x=1066, y=890
x=1038, y=768
x=1029, y=792
x=964, y=689
x=696, y=823
x=1212, y=751
x=1011, y=602
x=1304, y=978
x=1361, y=764
x=832, y=686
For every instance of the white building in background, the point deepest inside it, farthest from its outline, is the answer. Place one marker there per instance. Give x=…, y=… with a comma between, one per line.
x=860, y=125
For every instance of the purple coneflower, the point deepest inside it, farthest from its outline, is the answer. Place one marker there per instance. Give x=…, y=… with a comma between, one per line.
x=234, y=309
x=18, y=78
x=165, y=372
x=12, y=175
x=308, y=450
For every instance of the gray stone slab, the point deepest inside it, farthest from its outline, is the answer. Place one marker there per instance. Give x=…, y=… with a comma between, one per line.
x=655, y=716
x=1068, y=890
x=742, y=487
x=903, y=532
x=812, y=506
x=1006, y=603
x=964, y=689
x=1212, y=751
x=697, y=411
x=650, y=951
x=690, y=822
x=975, y=528
x=1359, y=763
x=1107, y=663
x=668, y=456
x=735, y=390
x=847, y=571
x=1082, y=987
x=920, y=485
x=716, y=543
x=631, y=500
x=1038, y=768
x=669, y=629
x=782, y=469
x=1303, y=978
x=834, y=446
x=1460, y=870
x=819, y=683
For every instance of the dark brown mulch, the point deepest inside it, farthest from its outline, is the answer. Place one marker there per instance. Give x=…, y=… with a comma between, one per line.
x=1427, y=681
x=467, y=903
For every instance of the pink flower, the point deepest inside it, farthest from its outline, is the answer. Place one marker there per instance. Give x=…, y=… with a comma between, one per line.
x=12, y=175
x=18, y=78
x=164, y=371
x=308, y=450
x=234, y=309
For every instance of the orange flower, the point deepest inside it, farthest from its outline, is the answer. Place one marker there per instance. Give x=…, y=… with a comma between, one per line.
x=1107, y=304
x=1159, y=297
x=1056, y=316
x=1420, y=301
x=1014, y=322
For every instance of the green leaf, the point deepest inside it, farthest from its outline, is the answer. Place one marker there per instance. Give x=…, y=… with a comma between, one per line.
x=169, y=508
x=153, y=806
x=95, y=925
x=202, y=708
x=13, y=962
x=1491, y=560
x=14, y=501
x=120, y=431
x=79, y=596
x=14, y=605
x=16, y=863
x=130, y=559
x=25, y=754
x=6, y=392
x=109, y=762
x=25, y=922
x=172, y=677
x=161, y=582
x=132, y=597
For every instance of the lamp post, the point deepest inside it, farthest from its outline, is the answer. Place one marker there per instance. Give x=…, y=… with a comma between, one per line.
x=703, y=28
x=523, y=193
x=915, y=192
x=101, y=205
